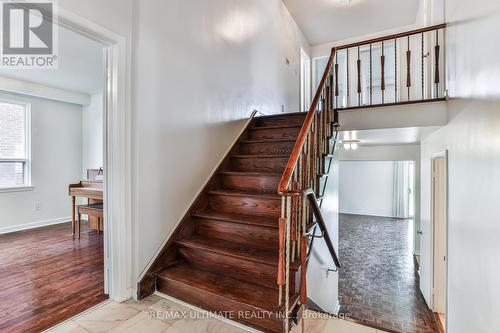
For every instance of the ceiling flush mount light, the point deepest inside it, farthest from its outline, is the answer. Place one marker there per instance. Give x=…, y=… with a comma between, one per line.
x=350, y=144
x=343, y=3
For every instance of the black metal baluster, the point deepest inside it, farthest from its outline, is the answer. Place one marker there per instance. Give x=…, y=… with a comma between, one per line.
x=348, y=85
x=422, y=68
x=408, y=68
x=395, y=71
x=371, y=77
x=436, y=68
x=336, y=82
x=382, y=78
x=359, y=79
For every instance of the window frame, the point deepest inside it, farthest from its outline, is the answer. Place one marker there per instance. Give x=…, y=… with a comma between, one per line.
x=27, y=186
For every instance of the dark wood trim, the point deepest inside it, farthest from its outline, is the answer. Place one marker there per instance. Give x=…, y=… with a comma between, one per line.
x=439, y=324
x=394, y=36
x=432, y=100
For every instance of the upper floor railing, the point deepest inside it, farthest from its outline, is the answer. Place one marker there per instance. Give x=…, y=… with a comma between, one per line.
x=380, y=71
x=401, y=68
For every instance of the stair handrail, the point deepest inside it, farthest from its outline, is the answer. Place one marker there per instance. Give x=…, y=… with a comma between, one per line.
x=300, y=182
x=306, y=162
x=313, y=201
x=283, y=187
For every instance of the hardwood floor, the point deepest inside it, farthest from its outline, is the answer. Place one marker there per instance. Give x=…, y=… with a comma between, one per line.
x=47, y=276
x=379, y=283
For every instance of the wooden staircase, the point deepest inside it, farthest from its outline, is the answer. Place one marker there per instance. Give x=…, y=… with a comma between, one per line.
x=224, y=254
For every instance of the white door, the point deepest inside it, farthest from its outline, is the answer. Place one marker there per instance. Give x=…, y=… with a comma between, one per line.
x=439, y=229
x=305, y=81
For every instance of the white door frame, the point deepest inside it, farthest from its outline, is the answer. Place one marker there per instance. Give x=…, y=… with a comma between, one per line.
x=434, y=305
x=305, y=81
x=117, y=154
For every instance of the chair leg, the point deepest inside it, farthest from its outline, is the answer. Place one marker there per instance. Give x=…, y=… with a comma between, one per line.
x=79, y=224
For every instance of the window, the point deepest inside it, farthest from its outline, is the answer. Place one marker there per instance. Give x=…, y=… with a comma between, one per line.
x=14, y=145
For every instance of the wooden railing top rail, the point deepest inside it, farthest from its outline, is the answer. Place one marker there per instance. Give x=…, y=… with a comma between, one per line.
x=301, y=139
x=390, y=37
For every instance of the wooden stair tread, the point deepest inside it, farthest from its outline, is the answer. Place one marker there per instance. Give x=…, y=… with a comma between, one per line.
x=285, y=115
x=265, y=256
x=242, y=292
x=262, y=221
x=261, y=156
x=251, y=173
x=274, y=127
x=267, y=141
x=236, y=193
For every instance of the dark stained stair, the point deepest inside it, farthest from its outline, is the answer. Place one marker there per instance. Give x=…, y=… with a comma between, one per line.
x=224, y=254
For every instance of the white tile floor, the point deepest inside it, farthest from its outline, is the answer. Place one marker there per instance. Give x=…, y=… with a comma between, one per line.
x=133, y=317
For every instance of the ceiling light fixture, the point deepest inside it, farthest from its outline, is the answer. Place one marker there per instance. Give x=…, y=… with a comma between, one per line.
x=343, y=3
x=351, y=144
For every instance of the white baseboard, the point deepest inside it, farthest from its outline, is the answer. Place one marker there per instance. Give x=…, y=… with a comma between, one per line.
x=33, y=225
x=337, y=308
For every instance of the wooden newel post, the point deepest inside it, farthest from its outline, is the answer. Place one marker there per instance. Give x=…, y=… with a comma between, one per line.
x=281, y=259
x=303, y=265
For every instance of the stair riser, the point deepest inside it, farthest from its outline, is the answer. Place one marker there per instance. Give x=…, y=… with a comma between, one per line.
x=253, y=164
x=213, y=302
x=245, y=205
x=268, y=184
x=288, y=120
x=267, y=148
x=278, y=133
x=236, y=268
x=251, y=235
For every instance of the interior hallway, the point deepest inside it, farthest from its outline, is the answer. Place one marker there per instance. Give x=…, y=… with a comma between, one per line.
x=378, y=282
x=48, y=277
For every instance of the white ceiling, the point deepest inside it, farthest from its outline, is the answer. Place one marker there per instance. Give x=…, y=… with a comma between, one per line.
x=80, y=66
x=325, y=21
x=389, y=136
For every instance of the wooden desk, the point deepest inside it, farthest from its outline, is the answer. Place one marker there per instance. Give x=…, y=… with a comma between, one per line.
x=90, y=189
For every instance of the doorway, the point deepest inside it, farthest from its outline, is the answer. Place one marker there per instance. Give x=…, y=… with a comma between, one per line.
x=439, y=200
x=376, y=234
x=305, y=80
x=113, y=255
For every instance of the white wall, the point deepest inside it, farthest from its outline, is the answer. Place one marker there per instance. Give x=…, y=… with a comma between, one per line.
x=199, y=67
x=406, y=152
x=323, y=288
x=92, y=123
x=473, y=142
x=56, y=145
x=367, y=187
